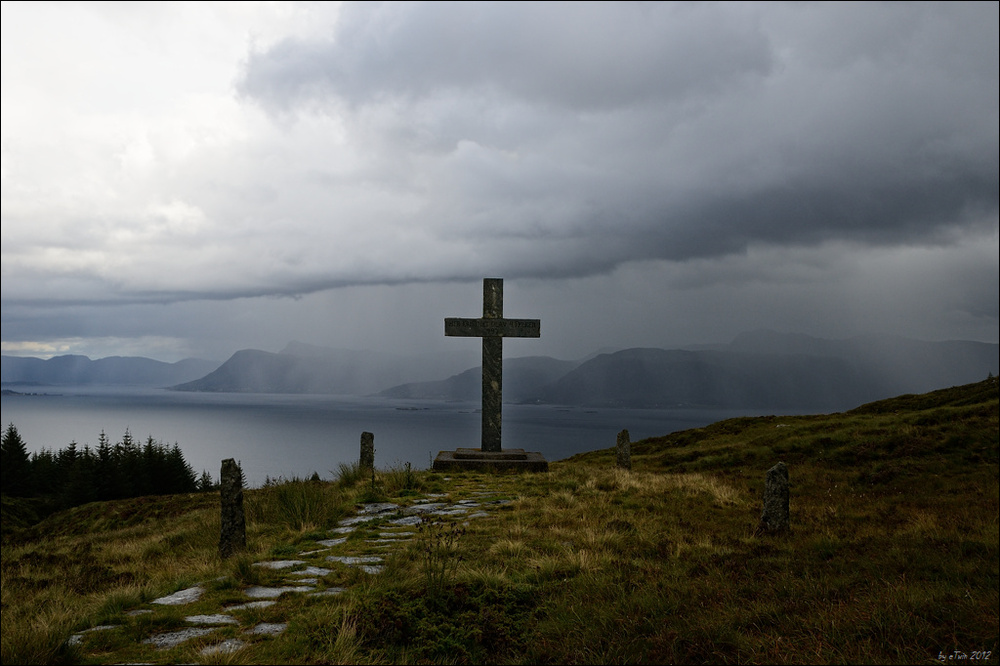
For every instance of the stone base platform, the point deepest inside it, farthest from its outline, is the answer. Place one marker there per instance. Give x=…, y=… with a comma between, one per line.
x=518, y=460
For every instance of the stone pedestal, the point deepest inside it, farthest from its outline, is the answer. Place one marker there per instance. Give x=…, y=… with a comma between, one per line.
x=517, y=460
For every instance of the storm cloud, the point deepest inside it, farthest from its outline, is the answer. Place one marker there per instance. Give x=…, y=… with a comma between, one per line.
x=788, y=163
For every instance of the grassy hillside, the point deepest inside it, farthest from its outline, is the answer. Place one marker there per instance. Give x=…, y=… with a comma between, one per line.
x=892, y=557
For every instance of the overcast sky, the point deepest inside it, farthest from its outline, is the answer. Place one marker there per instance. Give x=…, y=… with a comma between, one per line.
x=193, y=179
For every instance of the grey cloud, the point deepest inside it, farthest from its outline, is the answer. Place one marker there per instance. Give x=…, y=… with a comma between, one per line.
x=590, y=55
x=666, y=131
x=739, y=163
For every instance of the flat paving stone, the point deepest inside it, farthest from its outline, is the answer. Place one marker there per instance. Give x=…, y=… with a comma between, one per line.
x=352, y=560
x=267, y=628
x=329, y=592
x=311, y=571
x=370, y=564
x=341, y=530
x=406, y=520
x=260, y=592
x=279, y=564
x=417, y=509
x=174, y=638
x=77, y=638
x=218, y=618
x=228, y=646
x=250, y=605
x=330, y=543
x=456, y=511
x=307, y=553
x=357, y=520
x=378, y=507
x=181, y=597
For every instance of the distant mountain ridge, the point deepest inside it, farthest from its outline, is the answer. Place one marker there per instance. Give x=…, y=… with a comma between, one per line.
x=522, y=378
x=303, y=368
x=758, y=370
x=113, y=370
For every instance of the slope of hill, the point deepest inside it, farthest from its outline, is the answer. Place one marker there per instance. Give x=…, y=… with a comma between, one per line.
x=674, y=378
x=902, y=365
x=113, y=370
x=893, y=556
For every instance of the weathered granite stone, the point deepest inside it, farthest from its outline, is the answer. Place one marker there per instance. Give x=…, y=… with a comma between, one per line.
x=774, y=515
x=355, y=560
x=218, y=618
x=356, y=520
x=367, y=450
x=624, y=450
x=228, y=646
x=375, y=508
x=311, y=571
x=77, y=638
x=181, y=597
x=279, y=564
x=267, y=628
x=492, y=328
x=250, y=605
x=261, y=592
x=233, y=533
x=406, y=521
x=174, y=638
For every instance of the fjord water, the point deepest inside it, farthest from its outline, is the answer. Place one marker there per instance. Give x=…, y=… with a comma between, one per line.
x=284, y=435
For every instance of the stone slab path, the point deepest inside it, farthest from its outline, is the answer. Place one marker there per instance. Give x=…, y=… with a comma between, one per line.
x=303, y=574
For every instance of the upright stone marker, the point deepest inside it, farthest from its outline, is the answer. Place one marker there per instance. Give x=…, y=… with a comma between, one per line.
x=233, y=533
x=624, y=450
x=367, y=450
x=774, y=515
x=492, y=328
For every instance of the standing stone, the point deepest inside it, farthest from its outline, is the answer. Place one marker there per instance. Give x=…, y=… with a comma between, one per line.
x=367, y=450
x=624, y=451
x=233, y=535
x=774, y=515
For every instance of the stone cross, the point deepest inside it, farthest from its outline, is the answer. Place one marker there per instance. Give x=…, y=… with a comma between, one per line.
x=492, y=328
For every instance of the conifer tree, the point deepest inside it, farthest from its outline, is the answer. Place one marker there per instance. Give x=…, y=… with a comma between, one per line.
x=14, y=464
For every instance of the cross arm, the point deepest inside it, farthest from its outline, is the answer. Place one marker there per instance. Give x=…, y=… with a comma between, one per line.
x=492, y=328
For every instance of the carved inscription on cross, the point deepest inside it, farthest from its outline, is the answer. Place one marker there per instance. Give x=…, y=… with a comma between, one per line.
x=492, y=328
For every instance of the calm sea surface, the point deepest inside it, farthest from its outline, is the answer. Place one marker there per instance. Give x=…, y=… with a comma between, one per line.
x=295, y=435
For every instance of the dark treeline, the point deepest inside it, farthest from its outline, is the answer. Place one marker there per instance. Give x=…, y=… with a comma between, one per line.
x=75, y=475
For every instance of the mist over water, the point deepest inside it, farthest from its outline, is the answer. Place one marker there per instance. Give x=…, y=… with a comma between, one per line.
x=295, y=435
